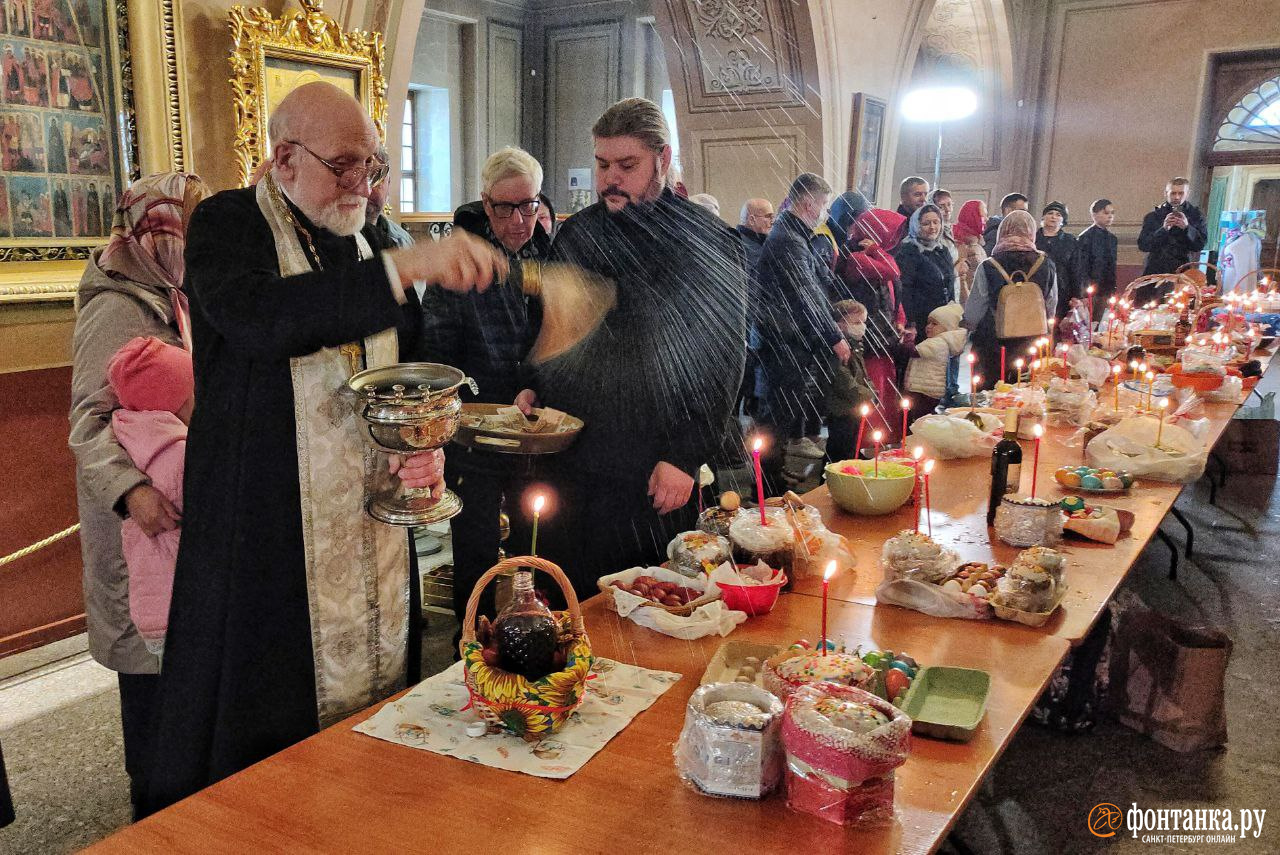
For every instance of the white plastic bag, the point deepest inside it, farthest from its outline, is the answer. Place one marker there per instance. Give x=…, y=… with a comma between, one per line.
x=1229, y=392
x=931, y=599
x=1070, y=402
x=1130, y=446
x=949, y=437
x=1094, y=370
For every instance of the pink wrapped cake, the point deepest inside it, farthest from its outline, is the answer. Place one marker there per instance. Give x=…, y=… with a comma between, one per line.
x=842, y=746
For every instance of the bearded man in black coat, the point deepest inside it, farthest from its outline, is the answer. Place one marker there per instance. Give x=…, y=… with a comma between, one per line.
x=656, y=381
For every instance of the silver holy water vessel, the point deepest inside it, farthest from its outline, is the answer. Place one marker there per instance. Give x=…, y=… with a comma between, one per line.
x=408, y=408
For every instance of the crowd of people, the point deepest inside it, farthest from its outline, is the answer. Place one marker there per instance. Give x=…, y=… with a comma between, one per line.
x=222, y=478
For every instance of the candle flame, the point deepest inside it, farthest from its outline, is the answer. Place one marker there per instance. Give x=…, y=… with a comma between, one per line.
x=977, y=379
x=1115, y=369
x=1038, y=430
x=1164, y=404
x=876, y=436
x=928, y=466
x=1089, y=290
x=906, y=403
x=1019, y=362
x=971, y=358
x=829, y=572
x=757, y=444
x=539, y=502
x=864, y=410
x=917, y=453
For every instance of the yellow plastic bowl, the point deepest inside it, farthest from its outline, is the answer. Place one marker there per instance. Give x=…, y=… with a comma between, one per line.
x=868, y=495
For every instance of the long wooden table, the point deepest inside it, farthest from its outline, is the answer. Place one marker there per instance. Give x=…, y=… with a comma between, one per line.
x=959, y=494
x=341, y=791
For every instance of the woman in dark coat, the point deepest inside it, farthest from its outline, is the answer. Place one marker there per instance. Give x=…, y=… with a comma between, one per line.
x=1060, y=245
x=928, y=276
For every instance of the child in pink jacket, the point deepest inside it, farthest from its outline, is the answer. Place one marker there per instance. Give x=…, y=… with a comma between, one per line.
x=153, y=382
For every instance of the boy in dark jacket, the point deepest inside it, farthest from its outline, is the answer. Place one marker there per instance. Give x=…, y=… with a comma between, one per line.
x=850, y=387
x=1098, y=250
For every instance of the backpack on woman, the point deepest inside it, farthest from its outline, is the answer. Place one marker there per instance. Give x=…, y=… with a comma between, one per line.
x=1020, y=309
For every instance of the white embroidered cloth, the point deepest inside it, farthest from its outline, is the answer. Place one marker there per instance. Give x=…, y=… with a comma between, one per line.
x=431, y=718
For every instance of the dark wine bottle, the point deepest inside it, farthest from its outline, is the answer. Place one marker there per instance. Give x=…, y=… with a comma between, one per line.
x=1006, y=464
x=526, y=632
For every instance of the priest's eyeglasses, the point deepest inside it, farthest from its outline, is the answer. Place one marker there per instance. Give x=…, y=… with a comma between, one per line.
x=504, y=210
x=372, y=170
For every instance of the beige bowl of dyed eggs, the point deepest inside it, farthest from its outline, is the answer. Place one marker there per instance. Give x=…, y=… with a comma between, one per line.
x=1090, y=480
x=858, y=488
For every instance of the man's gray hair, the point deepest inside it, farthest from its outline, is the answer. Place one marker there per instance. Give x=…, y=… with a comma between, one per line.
x=909, y=182
x=510, y=162
x=634, y=117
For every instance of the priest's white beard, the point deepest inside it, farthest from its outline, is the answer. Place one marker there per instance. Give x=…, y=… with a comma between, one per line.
x=335, y=219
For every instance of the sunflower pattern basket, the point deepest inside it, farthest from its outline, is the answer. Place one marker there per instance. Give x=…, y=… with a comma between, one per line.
x=528, y=708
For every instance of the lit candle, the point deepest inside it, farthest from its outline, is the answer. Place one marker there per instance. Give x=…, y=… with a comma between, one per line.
x=1115, y=375
x=1151, y=387
x=906, y=405
x=973, y=392
x=876, y=437
x=928, y=467
x=1003, y=377
x=863, y=411
x=755, y=454
x=539, y=502
x=1017, y=367
x=1164, y=405
x=916, y=454
x=826, y=580
x=1038, y=430
x=1088, y=306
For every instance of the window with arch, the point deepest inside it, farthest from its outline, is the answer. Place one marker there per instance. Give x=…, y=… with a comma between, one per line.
x=1254, y=122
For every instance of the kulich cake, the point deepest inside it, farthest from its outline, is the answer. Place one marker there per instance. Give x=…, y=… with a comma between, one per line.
x=716, y=520
x=1032, y=582
x=913, y=555
x=787, y=671
x=695, y=553
x=774, y=544
x=1027, y=521
x=842, y=746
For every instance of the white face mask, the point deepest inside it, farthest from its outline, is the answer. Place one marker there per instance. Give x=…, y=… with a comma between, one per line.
x=858, y=330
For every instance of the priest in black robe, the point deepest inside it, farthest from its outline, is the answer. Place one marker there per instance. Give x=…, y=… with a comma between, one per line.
x=290, y=604
x=655, y=383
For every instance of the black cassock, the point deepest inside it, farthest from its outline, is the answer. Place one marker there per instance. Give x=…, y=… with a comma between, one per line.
x=238, y=680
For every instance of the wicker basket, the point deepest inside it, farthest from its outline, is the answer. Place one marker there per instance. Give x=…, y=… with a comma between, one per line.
x=528, y=708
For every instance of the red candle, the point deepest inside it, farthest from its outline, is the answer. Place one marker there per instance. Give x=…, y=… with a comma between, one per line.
x=906, y=405
x=863, y=411
x=876, y=437
x=1088, y=307
x=928, y=467
x=755, y=454
x=916, y=454
x=826, y=580
x=1003, y=376
x=1035, y=458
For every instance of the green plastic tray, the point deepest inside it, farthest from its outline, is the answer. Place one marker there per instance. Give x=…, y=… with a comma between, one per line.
x=947, y=703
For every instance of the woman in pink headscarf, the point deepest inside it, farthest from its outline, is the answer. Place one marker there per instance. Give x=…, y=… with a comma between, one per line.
x=866, y=272
x=131, y=287
x=968, y=230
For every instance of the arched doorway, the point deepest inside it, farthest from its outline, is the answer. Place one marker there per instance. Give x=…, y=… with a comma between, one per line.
x=1243, y=160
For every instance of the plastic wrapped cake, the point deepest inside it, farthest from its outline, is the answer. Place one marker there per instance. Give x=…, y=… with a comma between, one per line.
x=730, y=744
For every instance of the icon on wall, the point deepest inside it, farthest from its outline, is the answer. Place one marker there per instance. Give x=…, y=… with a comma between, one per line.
x=1240, y=248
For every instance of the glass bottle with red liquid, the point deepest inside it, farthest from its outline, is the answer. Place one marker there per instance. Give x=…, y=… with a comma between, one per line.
x=526, y=632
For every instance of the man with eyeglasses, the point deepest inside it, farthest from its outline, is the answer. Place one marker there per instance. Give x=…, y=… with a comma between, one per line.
x=487, y=336
x=289, y=604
